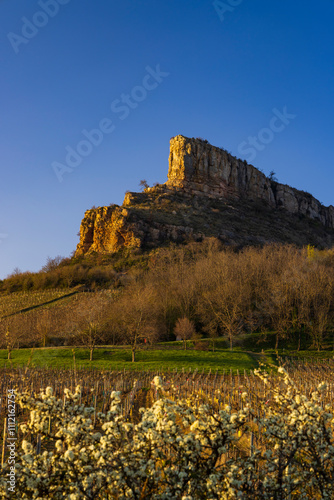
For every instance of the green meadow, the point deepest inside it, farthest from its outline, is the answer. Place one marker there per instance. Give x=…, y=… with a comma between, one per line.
x=120, y=359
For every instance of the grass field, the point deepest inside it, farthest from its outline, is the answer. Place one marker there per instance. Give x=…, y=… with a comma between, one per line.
x=119, y=359
x=165, y=356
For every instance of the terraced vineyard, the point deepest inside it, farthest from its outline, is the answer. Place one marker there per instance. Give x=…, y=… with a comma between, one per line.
x=21, y=301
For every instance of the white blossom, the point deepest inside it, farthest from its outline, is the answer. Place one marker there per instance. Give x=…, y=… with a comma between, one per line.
x=172, y=451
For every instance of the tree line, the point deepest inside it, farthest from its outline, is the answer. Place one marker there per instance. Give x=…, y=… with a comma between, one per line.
x=201, y=289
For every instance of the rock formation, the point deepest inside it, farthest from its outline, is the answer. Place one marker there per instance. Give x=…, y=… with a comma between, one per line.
x=199, y=168
x=209, y=192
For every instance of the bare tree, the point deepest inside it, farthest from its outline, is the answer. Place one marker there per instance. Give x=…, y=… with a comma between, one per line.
x=279, y=306
x=185, y=329
x=134, y=316
x=7, y=336
x=225, y=303
x=322, y=288
x=177, y=284
x=44, y=325
x=143, y=184
x=13, y=330
x=89, y=320
x=52, y=263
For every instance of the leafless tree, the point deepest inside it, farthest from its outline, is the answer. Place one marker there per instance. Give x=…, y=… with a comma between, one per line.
x=225, y=302
x=134, y=316
x=44, y=325
x=14, y=330
x=185, y=329
x=89, y=318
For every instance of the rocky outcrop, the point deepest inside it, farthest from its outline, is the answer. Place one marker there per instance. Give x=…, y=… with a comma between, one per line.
x=199, y=168
x=209, y=192
x=106, y=229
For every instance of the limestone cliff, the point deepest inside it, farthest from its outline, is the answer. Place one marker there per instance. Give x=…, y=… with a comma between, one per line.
x=208, y=193
x=199, y=168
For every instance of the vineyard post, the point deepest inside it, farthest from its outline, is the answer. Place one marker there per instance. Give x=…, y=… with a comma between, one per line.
x=74, y=367
x=251, y=450
x=38, y=445
x=104, y=395
x=288, y=473
x=95, y=402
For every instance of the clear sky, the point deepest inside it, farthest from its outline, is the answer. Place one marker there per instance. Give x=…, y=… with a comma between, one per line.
x=143, y=71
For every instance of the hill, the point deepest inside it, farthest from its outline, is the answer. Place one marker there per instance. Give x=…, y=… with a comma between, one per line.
x=132, y=282
x=209, y=193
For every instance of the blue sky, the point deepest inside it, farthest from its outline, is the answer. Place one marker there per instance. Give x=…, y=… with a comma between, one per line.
x=217, y=70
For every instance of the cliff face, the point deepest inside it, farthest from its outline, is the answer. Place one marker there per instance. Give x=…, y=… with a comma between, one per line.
x=106, y=229
x=208, y=193
x=199, y=168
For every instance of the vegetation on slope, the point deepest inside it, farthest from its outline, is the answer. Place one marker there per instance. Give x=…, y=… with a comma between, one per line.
x=210, y=290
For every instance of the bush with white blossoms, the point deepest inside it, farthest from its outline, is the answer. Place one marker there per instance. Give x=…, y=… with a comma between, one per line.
x=178, y=450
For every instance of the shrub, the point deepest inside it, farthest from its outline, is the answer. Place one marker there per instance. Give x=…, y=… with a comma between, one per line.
x=178, y=449
x=201, y=346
